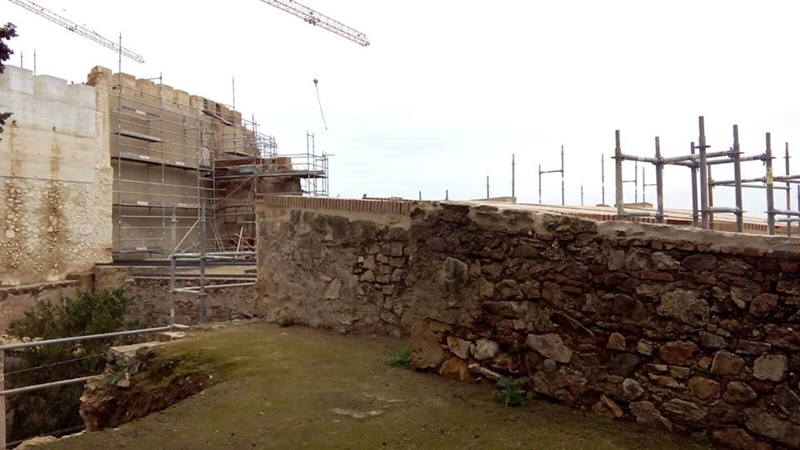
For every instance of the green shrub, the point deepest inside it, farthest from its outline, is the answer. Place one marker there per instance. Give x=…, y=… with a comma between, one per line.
x=400, y=358
x=512, y=391
x=47, y=410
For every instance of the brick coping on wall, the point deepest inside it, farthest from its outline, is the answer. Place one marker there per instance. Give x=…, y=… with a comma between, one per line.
x=402, y=207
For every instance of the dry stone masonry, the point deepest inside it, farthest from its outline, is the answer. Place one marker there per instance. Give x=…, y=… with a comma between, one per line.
x=679, y=329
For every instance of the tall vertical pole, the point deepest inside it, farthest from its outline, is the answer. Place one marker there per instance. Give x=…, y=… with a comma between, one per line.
x=602, y=179
x=487, y=188
x=788, y=192
x=703, y=174
x=447, y=194
x=581, y=195
x=644, y=187
x=173, y=263
x=659, y=184
x=770, y=189
x=513, y=179
x=540, y=184
x=562, y=175
x=618, y=175
x=737, y=180
x=202, y=293
x=635, y=181
x=710, y=198
x=695, y=219
x=420, y=195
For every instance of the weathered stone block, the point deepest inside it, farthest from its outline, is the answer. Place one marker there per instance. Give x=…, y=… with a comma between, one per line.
x=616, y=341
x=508, y=289
x=739, y=393
x=770, y=367
x=455, y=272
x=686, y=410
x=631, y=389
x=426, y=351
x=485, y=349
x=662, y=261
x=458, y=346
x=726, y=363
x=646, y=413
x=699, y=262
x=767, y=425
x=684, y=306
x=752, y=347
x=711, y=340
x=734, y=439
x=763, y=304
x=703, y=388
x=678, y=352
x=550, y=346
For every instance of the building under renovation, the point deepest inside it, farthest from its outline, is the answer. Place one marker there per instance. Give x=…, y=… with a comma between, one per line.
x=125, y=169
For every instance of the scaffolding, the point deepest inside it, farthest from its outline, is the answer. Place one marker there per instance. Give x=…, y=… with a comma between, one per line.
x=171, y=151
x=699, y=161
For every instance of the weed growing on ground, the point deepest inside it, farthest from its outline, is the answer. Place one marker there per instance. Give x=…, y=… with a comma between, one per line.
x=512, y=391
x=400, y=358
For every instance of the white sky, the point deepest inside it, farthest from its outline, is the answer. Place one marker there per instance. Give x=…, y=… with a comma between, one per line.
x=449, y=89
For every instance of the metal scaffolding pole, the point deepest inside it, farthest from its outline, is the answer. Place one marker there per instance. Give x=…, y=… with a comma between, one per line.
x=561, y=171
x=173, y=263
x=770, y=190
x=695, y=218
x=513, y=179
x=703, y=174
x=202, y=294
x=602, y=179
x=659, y=184
x=737, y=175
x=487, y=188
x=788, y=191
x=618, y=175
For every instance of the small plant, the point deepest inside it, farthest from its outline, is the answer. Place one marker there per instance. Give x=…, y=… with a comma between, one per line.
x=285, y=321
x=512, y=392
x=400, y=358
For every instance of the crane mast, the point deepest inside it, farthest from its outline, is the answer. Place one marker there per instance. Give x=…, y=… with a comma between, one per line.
x=320, y=20
x=78, y=29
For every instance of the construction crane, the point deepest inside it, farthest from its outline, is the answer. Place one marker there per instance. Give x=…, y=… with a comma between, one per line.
x=318, y=19
x=78, y=29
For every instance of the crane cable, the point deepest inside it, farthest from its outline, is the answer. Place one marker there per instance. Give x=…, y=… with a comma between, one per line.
x=316, y=86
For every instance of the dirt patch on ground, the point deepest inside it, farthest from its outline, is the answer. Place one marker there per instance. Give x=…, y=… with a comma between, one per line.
x=304, y=388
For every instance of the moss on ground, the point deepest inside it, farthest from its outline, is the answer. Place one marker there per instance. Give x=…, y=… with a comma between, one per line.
x=295, y=387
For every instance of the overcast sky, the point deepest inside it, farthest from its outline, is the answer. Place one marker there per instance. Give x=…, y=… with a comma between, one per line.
x=448, y=90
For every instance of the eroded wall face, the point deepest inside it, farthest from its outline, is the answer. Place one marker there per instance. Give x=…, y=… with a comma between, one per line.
x=55, y=179
x=681, y=330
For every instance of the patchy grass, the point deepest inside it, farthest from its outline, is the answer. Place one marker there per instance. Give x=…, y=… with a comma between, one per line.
x=302, y=388
x=400, y=358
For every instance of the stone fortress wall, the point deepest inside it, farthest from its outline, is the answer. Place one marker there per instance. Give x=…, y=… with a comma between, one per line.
x=682, y=329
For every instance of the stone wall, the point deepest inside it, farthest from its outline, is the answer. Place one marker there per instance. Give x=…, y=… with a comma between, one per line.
x=55, y=178
x=681, y=329
x=151, y=297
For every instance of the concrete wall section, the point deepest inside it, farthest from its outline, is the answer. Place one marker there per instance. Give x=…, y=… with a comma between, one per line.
x=55, y=178
x=683, y=330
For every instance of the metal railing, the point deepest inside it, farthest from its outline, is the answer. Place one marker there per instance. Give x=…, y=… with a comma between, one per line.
x=23, y=345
